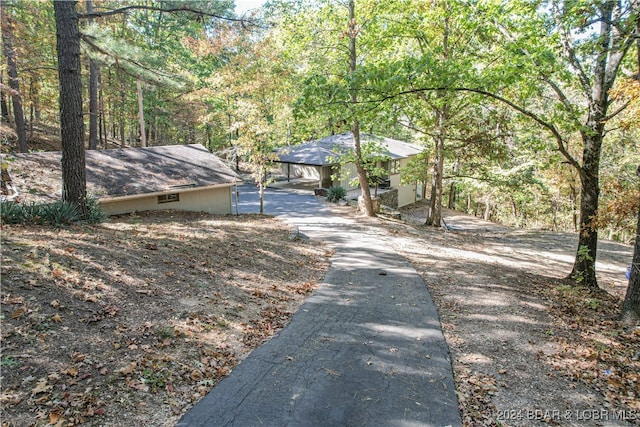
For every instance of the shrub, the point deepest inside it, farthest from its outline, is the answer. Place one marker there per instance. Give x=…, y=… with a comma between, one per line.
x=11, y=212
x=336, y=194
x=95, y=214
x=57, y=213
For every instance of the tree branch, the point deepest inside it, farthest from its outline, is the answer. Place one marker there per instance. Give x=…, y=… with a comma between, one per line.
x=551, y=128
x=183, y=8
x=567, y=44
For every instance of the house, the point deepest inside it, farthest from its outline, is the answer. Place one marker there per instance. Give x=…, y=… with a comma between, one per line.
x=318, y=160
x=179, y=177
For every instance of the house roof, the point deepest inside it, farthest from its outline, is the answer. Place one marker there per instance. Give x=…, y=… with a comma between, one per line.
x=123, y=172
x=323, y=152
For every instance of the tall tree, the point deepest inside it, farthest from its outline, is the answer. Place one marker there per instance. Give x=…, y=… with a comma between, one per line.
x=352, y=31
x=631, y=306
x=74, y=179
x=579, y=77
x=338, y=46
x=14, y=83
x=94, y=77
x=71, y=122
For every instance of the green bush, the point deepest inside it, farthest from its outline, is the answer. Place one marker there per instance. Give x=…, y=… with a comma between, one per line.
x=336, y=194
x=57, y=213
x=95, y=214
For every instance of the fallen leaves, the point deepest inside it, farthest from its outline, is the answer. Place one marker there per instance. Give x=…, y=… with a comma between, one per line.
x=42, y=386
x=603, y=354
x=18, y=313
x=98, y=325
x=474, y=391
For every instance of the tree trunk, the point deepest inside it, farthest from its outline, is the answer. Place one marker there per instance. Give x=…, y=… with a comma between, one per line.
x=442, y=116
x=631, y=306
x=573, y=196
x=12, y=72
x=102, y=116
x=261, y=185
x=487, y=211
x=93, y=94
x=143, y=134
x=74, y=182
x=355, y=126
x=34, y=114
x=452, y=196
x=123, y=104
x=584, y=267
x=362, y=173
x=4, y=108
x=435, y=203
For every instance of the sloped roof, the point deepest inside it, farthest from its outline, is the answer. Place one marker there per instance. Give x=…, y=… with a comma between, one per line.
x=324, y=152
x=123, y=172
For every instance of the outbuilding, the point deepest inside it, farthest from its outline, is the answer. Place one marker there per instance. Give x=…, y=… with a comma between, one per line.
x=179, y=177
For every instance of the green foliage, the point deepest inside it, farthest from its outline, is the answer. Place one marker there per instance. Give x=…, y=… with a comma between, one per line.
x=584, y=254
x=95, y=214
x=335, y=194
x=9, y=362
x=56, y=214
x=374, y=155
x=417, y=170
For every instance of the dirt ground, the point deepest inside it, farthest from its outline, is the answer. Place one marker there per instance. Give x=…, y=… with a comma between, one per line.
x=130, y=322
x=528, y=347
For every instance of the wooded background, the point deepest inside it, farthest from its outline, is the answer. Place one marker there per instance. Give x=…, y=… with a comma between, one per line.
x=528, y=112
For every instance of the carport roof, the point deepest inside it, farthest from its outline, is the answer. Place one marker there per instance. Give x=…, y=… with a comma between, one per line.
x=324, y=152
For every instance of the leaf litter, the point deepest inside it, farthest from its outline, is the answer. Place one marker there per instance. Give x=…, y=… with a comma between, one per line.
x=132, y=321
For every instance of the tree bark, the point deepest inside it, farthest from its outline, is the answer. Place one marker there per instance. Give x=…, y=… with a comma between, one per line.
x=122, y=116
x=584, y=267
x=631, y=306
x=93, y=93
x=12, y=72
x=435, y=203
x=4, y=108
x=143, y=133
x=442, y=116
x=355, y=126
x=74, y=182
x=611, y=52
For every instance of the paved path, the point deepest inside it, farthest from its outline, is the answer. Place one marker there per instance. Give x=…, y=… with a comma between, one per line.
x=366, y=349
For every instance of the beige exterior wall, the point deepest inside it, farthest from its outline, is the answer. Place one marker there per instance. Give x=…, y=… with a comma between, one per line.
x=406, y=192
x=216, y=200
x=347, y=176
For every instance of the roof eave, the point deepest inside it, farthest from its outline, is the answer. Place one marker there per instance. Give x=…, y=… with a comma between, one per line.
x=108, y=199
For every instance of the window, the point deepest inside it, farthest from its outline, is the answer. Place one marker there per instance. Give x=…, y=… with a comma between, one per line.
x=394, y=167
x=169, y=198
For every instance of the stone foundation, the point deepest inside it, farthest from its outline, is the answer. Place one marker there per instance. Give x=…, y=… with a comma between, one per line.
x=389, y=198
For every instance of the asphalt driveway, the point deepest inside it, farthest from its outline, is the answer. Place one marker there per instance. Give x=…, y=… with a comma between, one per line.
x=366, y=349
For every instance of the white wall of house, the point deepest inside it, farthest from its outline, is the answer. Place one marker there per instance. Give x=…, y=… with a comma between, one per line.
x=216, y=200
x=406, y=192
